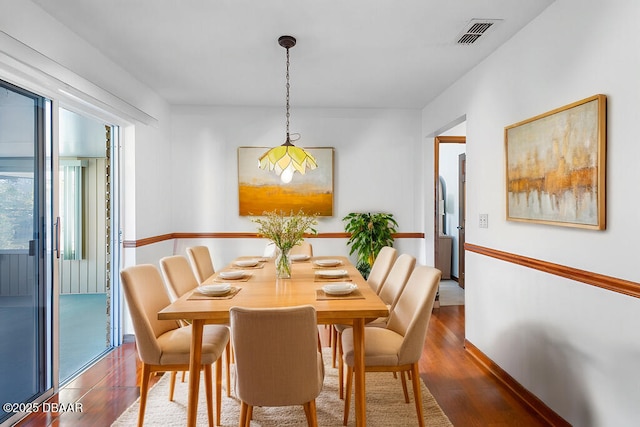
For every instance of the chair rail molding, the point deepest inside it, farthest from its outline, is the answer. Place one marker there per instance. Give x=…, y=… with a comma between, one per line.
x=614, y=284
x=241, y=235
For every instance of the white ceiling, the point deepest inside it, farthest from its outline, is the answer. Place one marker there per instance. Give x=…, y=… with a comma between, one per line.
x=350, y=53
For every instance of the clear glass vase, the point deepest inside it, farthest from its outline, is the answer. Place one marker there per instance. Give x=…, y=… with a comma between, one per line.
x=283, y=264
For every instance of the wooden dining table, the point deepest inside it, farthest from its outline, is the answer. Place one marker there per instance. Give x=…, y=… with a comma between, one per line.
x=259, y=288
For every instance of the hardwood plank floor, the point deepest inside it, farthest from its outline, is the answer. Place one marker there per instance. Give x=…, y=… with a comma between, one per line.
x=467, y=393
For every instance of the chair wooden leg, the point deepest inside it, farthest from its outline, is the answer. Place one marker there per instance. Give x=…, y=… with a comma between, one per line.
x=244, y=410
x=208, y=387
x=184, y=373
x=144, y=388
x=417, y=393
x=333, y=334
x=404, y=387
x=228, y=367
x=218, y=389
x=249, y=415
x=340, y=370
x=311, y=413
x=172, y=384
x=347, y=395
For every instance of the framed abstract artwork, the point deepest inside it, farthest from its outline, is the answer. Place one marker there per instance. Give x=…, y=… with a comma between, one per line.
x=262, y=191
x=555, y=166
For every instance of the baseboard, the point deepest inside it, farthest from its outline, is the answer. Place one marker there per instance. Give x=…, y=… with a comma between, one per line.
x=528, y=398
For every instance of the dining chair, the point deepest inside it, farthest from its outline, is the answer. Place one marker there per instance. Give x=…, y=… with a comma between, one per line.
x=179, y=278
x=164, y=345
x=381, y=267
x=201, y=262
x=178, y=275
x=396, y=280
x=389, y=293
x=398, y=346
x=378, y=274
x=269, y=250
x=277, y=359
x=303, y=248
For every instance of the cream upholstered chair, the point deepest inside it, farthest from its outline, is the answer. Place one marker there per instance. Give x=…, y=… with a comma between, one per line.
x=179, y=279
x=178, y=275
x=201, y=262
x=269, y=250
x=164, y=346
x=381, y=267
x=378, y=274
x=398, y=346
x=303, y=248
x=390, y=292
x=397, y=279
x=277, y=359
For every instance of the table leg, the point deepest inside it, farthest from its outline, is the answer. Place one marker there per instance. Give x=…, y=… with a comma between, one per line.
x=195, y=361
x=358, y=368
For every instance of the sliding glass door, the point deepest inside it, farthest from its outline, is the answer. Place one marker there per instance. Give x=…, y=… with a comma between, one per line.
x=84, y=150
x=25, y=248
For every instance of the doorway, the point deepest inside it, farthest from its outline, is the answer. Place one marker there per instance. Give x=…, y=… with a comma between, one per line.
x=85, y=234
x=449, y=208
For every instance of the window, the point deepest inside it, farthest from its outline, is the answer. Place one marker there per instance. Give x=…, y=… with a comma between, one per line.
x=71, y=208
x=16, y=193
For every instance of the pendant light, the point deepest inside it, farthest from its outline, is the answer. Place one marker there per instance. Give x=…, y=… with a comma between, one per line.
x=286, y=159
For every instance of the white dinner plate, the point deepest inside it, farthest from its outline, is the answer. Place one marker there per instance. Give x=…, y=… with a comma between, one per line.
x=342, y=288
x=331, y=273
x=247, y=262
x=232, y=274
x=299, y=257
x=214, y=290
x=327, y=262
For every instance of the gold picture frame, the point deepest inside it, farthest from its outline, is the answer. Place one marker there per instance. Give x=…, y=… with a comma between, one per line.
x=262, y=191
x=555, y=166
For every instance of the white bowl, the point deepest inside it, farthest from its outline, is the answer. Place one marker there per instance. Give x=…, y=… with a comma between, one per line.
x=247, y=262
x=232, y=274
x=299, y=257
x=331, y=273
x=327, y=262
x=214, y=290
x=342, y=288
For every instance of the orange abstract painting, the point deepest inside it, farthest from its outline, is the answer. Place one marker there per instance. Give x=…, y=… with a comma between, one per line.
x=262, y=191
x=555, y=166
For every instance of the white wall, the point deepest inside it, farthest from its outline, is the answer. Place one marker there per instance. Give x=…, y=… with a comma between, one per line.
x=573, y=345
x=377, y=156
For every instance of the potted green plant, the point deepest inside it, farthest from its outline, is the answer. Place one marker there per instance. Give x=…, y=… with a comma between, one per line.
x=370, y=232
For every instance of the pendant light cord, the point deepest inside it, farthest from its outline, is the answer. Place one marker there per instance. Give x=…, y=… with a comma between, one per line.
x=287, y=98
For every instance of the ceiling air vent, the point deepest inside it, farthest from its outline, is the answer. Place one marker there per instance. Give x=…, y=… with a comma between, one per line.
x=475, y=29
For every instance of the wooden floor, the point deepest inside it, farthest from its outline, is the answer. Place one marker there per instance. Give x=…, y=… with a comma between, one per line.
x=468, y=394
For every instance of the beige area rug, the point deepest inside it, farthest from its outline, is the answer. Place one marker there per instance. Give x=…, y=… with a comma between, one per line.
x=385, y=406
